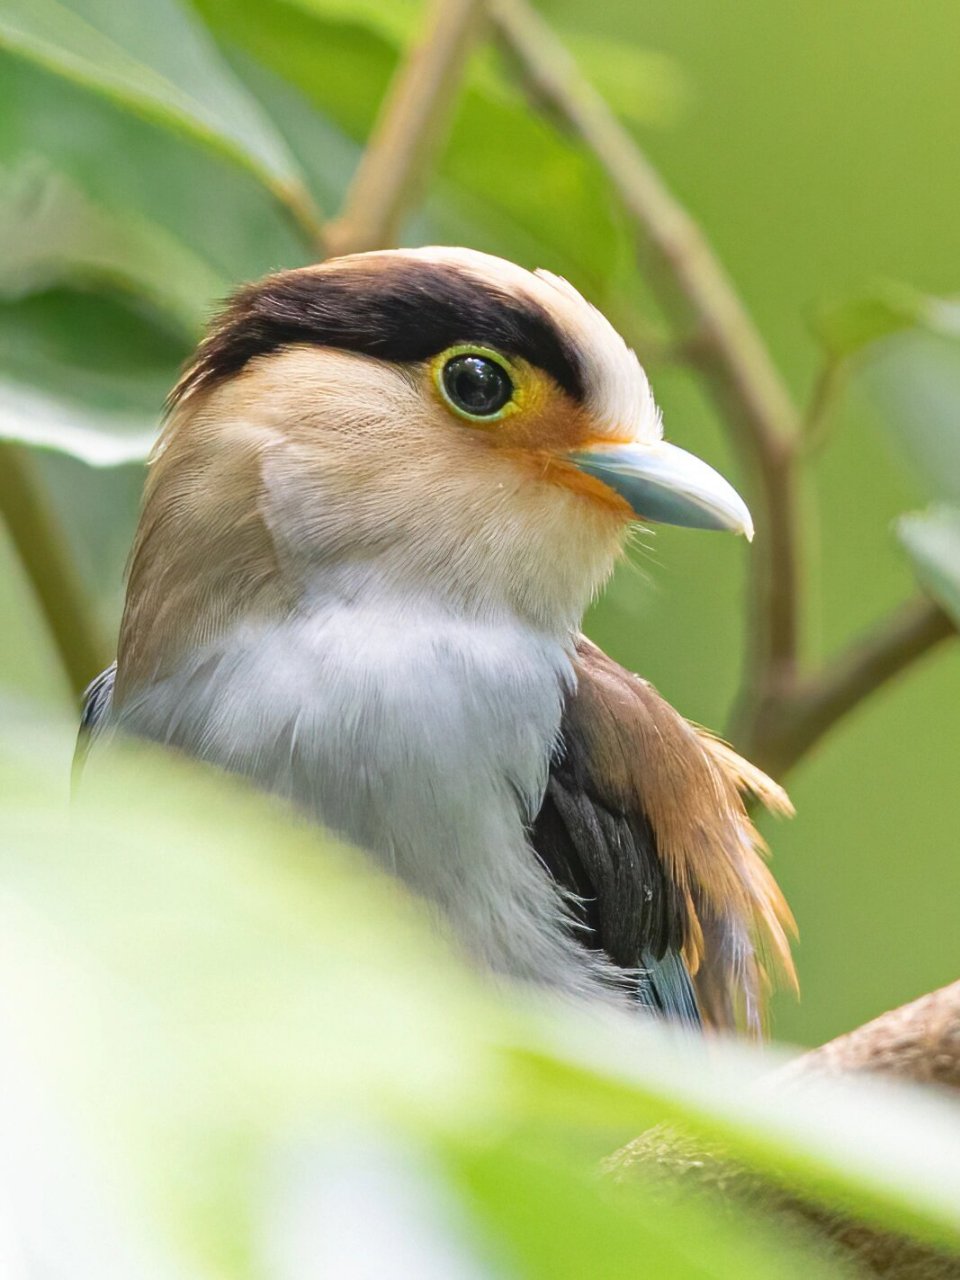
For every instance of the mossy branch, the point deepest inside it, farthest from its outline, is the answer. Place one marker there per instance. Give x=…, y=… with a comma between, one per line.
x=918, y=1043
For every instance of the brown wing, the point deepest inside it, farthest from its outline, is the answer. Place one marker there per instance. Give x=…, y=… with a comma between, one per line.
x=644, y=822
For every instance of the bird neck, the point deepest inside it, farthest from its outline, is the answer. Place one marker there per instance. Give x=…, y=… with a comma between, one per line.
x=241, y=522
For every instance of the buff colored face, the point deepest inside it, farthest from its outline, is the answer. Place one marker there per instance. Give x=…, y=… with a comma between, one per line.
x=476, y=431
x=517, y=355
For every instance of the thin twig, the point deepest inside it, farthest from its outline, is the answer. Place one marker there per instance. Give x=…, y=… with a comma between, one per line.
x=763, y=421
x=802, y=717
x=409, y=132
x=303, y=212
x=43, y=551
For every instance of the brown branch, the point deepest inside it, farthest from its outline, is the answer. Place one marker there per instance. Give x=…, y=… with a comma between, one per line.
x=920, y=1043
x=303, y=212
x=409, y=131
x=763, y=422
x=791, y=724
x=44, y=553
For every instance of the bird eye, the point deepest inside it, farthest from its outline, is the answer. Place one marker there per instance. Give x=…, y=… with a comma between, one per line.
x=476, y=385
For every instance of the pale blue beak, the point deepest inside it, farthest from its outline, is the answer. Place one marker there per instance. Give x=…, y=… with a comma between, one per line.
x=667, y=485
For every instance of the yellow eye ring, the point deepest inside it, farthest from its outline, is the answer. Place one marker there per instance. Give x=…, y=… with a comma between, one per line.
x=476, y=383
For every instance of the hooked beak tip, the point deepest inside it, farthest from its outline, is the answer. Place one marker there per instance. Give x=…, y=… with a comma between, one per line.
x=668, y=485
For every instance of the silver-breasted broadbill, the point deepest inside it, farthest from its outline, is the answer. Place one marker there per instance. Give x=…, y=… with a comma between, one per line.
x=385, y=491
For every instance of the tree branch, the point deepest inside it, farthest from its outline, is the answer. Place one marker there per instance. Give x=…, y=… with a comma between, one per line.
x=919, y=1042
x=791, y=724
x=409, y=131
x=43, y=551
x=763, y=422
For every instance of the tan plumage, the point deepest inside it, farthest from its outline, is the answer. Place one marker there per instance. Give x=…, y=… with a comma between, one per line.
x=647, y=758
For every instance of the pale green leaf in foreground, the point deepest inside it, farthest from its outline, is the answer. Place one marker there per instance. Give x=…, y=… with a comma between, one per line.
x=201, y=988
x=163, y=66
x=932, y=540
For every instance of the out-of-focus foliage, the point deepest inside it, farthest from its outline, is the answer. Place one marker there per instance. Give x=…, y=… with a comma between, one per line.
x=217, y=989
x=933, y=541
x=230, y=1051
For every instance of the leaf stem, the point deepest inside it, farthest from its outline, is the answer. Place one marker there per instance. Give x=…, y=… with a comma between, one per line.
x=409, y=131
x=45, y=555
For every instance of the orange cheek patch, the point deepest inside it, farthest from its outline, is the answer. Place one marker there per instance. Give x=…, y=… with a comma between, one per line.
x=554, y=470
x=546, y=418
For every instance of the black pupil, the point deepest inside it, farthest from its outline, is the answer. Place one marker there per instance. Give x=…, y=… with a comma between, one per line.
x=476, y=385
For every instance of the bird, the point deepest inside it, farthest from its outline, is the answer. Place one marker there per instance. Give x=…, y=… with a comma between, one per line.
x=385, y=490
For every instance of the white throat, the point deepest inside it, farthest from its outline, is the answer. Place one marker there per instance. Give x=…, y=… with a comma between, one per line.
x=423, y=737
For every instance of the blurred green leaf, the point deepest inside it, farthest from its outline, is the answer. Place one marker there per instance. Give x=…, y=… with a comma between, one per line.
x=855, y=1143
x=52, y=235
x=932, y=540
x=197, y=983
x=160, y=64
x=102, y=440
x=216, y=210
x=398, y=21
x=914, y=384
x=845, y=327
x=643, y=86
x=84, y=374
x=200, y=979
x=557, y=1222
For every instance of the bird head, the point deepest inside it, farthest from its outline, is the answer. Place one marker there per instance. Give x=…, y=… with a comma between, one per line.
x=466, y=429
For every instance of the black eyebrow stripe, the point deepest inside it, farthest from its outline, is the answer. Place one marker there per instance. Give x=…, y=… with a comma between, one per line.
x=397, y=309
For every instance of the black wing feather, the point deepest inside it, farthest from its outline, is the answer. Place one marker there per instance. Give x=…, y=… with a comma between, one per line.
x=621, y=894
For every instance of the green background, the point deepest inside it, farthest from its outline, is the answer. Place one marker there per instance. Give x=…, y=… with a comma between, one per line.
x=817, y=145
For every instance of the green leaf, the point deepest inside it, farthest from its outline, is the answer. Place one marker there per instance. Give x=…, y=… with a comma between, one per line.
x=197, y=981
x=161, y=66
x=914, y=385
x=846, y=327
x=101, y=440
x=932, y=541
x=83, y=374
x=217, y=211
x=208, y=996
x=554, y=1220
x=52, y=234
x=865, y=1146
x=643, y=86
